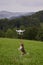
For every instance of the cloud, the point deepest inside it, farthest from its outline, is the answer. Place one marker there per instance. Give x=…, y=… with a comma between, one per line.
x=30, y=2
x=21, y=5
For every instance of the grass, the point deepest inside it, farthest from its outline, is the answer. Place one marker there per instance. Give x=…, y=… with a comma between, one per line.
x=10, y=55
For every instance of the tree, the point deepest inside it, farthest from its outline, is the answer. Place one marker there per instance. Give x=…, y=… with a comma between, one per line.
x=30, y=33
x=2, y=33
x=9, y=33
x=40, y=35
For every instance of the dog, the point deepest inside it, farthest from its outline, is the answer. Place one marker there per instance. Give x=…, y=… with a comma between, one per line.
x=22, y=49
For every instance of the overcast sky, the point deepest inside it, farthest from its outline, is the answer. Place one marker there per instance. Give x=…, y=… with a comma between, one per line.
x=21, y=5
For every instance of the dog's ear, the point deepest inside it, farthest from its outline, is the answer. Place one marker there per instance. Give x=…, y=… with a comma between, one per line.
x=22, y=45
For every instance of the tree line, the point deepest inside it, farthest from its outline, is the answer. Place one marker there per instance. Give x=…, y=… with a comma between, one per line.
x=32, y=24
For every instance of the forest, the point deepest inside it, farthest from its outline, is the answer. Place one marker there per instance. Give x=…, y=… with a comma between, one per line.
x=33, y=26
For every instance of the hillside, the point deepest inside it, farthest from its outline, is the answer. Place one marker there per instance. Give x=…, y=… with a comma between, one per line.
x=33, y=25
x=12, y=15
x=38, y=15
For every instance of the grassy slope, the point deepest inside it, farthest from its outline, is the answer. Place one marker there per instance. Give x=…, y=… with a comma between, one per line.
x=9, y=54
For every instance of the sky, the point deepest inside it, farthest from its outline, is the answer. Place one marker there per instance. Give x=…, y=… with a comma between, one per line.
x=21, y=5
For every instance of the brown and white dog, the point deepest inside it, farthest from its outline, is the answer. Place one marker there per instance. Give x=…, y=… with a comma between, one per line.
x=22, y=49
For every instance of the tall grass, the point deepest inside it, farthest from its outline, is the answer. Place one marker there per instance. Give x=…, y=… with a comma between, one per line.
x=10, y=55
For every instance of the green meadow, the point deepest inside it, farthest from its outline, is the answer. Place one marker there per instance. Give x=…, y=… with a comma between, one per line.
x=10, y=55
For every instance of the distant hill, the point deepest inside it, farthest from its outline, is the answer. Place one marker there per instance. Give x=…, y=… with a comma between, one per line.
x=31, y=22
x=38, y=15
x=11, y=15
